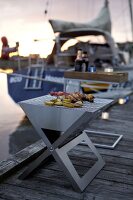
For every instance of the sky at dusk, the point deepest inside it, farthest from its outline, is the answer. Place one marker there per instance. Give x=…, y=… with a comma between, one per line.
x=25, y=20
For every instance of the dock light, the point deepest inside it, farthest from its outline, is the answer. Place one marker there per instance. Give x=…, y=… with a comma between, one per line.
x=105, y=115
x=122, y=101
x=108, y=69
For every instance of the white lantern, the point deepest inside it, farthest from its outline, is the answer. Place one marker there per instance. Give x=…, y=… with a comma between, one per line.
x=105, y=115
x=121, y=101
x=108, y=69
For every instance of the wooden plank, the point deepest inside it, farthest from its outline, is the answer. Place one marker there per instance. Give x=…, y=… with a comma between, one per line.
x=103, y=195
x=95, y=189
x=49, y=176
x=12, y=192
x=47, y=186
x=118, y=77
x=116, y=176
x=19, y=159
x=114, y=182
x=79, y=150
x=120, y=127
x=26, y=153
x=107, y=188
x=124, y=168
x=107, y=158
x=112, y=185
x=45, y=179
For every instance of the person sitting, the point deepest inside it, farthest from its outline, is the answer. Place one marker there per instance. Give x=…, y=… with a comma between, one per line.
x=6, y=50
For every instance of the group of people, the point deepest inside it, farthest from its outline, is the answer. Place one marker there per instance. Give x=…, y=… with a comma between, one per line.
x=6, y=50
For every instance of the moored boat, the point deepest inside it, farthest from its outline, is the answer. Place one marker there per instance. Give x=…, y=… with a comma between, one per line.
x=37, y=80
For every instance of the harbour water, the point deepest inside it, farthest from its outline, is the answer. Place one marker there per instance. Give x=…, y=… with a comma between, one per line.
x=15, y=130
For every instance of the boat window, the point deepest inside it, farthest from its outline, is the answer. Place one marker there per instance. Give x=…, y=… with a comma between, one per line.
x=68, y=44
x=93, y=39
x=84, y=40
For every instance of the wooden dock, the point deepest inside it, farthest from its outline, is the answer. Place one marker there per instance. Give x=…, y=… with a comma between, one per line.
x=114, y=182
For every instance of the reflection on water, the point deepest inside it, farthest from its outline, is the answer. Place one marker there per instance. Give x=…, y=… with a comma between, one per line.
x=10, y=130
x=22, y=137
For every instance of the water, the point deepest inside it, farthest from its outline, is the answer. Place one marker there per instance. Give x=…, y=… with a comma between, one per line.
x=15, y=130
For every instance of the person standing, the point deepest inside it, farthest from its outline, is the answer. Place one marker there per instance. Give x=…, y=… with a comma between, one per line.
x=6, y=50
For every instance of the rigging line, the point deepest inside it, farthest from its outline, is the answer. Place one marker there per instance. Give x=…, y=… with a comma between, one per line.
x=46, y=9
x=131, y=17
x=124, y=22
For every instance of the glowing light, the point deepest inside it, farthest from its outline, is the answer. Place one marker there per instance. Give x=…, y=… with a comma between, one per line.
x=108, y=69
x=105, y=115
x=121, y=101
x=6, y=71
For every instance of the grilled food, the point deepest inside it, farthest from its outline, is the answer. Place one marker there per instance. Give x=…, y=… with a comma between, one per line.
x=69, y=105
x=70, y=100
x=49, y=103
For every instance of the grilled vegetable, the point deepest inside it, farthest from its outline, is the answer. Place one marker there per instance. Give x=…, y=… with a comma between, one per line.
x=69, y=105
x=49, y=103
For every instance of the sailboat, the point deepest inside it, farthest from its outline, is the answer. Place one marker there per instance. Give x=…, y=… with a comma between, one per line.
x=40, y=79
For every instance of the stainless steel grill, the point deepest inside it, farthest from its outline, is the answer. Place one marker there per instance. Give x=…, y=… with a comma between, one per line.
x=70, y=121
x=87, y=106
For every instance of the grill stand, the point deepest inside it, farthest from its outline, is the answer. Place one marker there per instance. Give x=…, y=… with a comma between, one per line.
x=38, y=114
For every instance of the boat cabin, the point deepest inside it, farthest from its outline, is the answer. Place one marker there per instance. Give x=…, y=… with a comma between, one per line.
x=99, y=45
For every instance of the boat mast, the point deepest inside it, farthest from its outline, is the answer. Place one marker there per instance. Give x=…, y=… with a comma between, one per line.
x=131, y=16
x=106, y=3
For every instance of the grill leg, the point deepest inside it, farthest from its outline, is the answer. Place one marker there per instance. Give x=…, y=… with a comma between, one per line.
x=60, y=155
x=35, y=164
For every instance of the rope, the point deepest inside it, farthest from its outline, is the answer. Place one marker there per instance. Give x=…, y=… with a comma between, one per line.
x=46, y=8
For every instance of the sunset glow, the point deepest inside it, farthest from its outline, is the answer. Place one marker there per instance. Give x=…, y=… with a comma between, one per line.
x=6, y=71
x=24, y=21
x=39, y=41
